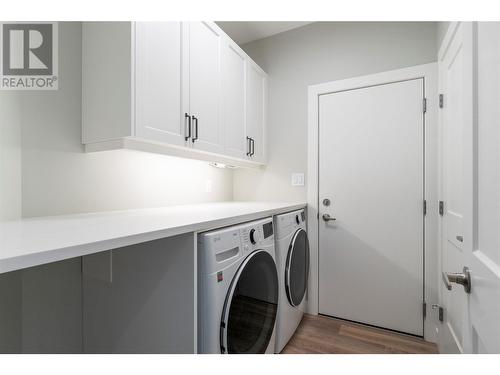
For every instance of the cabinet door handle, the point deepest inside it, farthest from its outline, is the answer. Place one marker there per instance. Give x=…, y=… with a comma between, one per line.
x=195, y=123
x=252, y=141
x=188, y=132
x=248, y=146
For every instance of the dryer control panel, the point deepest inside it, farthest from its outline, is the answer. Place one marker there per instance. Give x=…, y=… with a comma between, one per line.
x=288, y=223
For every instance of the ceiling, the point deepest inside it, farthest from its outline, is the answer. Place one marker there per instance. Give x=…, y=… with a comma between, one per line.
x=243, y=31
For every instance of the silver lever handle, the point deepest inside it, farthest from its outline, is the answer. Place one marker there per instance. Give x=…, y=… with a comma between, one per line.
x=328, y=218
x=458, y=278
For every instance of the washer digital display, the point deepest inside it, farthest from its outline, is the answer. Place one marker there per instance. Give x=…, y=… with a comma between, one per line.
x=268, y=229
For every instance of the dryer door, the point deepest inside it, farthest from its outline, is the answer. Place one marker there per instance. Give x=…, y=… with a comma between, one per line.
x=250, y=308
x=297, y=268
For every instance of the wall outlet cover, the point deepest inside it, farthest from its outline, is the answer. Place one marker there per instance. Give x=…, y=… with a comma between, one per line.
x=298, y=179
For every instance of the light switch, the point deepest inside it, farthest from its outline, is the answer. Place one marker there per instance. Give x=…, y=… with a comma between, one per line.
x=298, y=179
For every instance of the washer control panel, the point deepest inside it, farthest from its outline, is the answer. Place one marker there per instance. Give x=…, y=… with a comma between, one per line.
x=256, y=235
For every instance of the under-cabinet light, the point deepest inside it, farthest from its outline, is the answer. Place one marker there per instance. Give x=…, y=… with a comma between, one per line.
x=221, y=165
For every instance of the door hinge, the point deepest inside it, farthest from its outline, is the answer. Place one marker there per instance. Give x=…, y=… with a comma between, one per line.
x=424, y=105
x=441, y=100
x=440, y=312
x=425, y=207
x=424, y=309
x=441, y=208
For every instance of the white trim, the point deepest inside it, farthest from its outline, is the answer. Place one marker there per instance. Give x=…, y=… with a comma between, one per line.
x=448, y=341
x=146, y=145
x=429, y=73
x=445, y=44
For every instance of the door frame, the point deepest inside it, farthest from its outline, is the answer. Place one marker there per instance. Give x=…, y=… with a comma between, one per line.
x=429, y=72
x=447, y=340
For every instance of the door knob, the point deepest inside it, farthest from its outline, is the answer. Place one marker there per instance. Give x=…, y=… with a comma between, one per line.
x=458, y=278
x=328, y=218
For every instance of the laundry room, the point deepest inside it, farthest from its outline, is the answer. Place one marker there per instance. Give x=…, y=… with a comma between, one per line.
x=223, y=183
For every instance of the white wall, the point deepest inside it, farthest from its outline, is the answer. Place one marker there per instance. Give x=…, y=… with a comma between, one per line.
x=59, y=178
x=315, y=53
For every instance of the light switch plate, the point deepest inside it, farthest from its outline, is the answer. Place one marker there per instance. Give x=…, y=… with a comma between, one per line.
x=298, y=179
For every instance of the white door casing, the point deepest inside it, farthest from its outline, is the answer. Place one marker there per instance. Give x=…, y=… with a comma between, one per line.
x=371, y=155
x=427, y=73
x=452, y=172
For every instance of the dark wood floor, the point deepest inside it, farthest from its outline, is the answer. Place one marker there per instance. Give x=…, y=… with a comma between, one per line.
x=323, y=335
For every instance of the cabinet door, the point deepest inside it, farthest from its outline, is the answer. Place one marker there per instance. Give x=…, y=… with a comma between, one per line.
x=159, y=85
x=256, y=98
x=205, y=86
x=233, y=94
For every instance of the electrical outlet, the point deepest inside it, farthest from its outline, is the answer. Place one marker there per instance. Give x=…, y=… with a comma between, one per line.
x=298, y=179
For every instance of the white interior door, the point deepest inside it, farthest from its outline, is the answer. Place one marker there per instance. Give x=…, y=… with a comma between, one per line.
x=159, y=85
x=205, y=85
x=452, y=145
x=484, y=257
x=371, y=152
x=470, y=121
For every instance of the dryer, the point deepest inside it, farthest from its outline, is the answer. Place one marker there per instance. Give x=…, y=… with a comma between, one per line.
x=292, y=258
x=237, y=289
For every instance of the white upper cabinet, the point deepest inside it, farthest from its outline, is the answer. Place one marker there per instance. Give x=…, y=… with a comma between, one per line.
x=204, y=86
x=233, y=96
x=256, y=98
x=183, y=89
x=159, y=85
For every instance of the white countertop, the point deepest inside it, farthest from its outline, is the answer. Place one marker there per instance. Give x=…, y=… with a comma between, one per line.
x=31, y=242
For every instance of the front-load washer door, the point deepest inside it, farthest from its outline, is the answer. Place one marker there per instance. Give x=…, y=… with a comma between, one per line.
x=297, y=268
x=251, y=305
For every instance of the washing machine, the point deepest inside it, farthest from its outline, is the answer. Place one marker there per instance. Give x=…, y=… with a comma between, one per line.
x=237, y=289
x=292, y=259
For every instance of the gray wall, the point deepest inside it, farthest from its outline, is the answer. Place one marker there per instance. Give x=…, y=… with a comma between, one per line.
x=317, y=53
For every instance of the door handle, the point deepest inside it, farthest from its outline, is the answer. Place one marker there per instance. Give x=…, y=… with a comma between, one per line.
x=328, y=218
x=188, y=132
x=249, y=147
x=458, y=278
x=195, y=123
x=252, y=142
x=460, y=238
